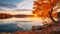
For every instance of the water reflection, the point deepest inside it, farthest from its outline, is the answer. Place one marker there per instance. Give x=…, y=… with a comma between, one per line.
x=19, y=23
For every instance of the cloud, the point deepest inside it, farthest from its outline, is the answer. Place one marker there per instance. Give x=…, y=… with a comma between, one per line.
x=26, y=4
x=11, y=4
x=15, y=4
x=7, y=5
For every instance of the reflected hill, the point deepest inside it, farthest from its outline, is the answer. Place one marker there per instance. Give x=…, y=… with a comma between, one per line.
x=6, y=16
x=22, y=16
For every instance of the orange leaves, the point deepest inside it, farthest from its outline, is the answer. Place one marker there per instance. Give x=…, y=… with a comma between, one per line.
x=54, y=15
x=43, y=7
x=53, y=2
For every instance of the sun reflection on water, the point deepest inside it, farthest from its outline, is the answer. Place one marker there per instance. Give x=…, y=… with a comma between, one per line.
x=35, y=15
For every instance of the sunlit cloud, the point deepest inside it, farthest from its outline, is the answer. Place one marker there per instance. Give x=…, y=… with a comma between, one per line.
x=16, y=4
x=12, y=6
x=26, y=4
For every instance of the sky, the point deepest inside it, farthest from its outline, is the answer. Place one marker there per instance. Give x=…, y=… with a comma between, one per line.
x=15, y=4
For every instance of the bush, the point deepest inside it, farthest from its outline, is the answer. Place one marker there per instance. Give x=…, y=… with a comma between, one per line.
x=58, y=14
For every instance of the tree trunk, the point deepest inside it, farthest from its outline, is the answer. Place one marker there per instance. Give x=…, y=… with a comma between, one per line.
x=50, y=13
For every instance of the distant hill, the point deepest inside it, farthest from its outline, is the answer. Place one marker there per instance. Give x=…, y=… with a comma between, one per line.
x=4, y=16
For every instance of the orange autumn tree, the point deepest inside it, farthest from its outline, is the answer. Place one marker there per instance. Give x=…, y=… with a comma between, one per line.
x=43, y=7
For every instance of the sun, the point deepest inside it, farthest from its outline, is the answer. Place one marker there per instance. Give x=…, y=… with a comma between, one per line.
x=35, y=15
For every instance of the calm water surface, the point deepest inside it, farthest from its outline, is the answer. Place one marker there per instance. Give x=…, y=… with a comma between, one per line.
x=15, y=24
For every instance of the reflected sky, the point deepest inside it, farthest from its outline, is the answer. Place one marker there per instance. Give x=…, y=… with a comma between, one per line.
x=27, y=20
x=19, y=24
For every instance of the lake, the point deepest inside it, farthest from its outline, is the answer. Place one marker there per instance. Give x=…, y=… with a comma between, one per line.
x=15, y=24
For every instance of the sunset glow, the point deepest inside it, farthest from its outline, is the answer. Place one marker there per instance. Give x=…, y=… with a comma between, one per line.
x=29, y=16
x=35, y=15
